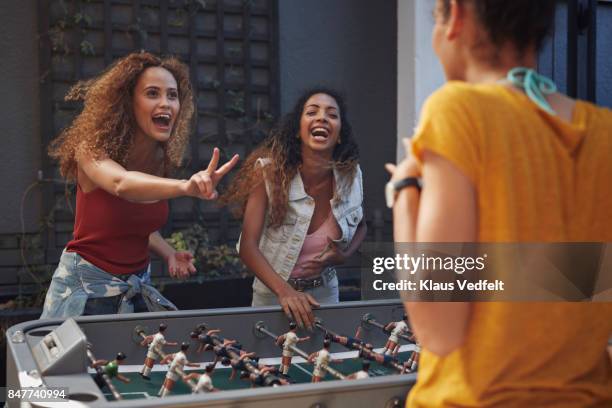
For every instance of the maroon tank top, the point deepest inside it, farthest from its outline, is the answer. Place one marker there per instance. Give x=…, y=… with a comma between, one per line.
x=112, y=233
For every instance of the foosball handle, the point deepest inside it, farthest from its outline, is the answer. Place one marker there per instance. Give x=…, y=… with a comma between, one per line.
x=365, y=320
x=256, y=329
x=138, y=333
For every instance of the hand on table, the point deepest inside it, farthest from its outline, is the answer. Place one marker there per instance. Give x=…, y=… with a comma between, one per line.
x=298, y=306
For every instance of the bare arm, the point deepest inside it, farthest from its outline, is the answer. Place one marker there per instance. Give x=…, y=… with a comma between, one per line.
x=142, y=187
x=130, y=185
x=159, y=245
x=180, y=263
x=296, y=304
x=444, y=212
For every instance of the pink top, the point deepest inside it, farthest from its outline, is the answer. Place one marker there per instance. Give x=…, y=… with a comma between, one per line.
x=314, y=245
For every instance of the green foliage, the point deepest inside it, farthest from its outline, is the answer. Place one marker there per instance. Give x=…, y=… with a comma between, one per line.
x=212, y=261
x=75, y=20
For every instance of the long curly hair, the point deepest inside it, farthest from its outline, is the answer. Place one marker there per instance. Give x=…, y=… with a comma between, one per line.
x=284, y=149
x=106, y=126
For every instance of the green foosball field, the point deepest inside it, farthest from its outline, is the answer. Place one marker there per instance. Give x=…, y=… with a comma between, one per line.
x=299, y=373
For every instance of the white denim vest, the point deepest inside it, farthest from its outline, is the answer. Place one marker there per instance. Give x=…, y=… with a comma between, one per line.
x=281, y=246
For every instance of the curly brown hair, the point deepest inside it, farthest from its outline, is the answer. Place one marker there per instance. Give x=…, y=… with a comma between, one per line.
x=105, y=128
x=284, y=150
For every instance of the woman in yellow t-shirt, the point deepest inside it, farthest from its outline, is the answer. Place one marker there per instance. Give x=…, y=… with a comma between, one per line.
x=500, y=164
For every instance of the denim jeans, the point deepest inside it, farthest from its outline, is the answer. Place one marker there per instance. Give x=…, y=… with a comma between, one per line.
x=78, y=287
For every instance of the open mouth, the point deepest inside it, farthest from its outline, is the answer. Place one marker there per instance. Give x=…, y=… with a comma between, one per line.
x=319, y=133
x=162, y=120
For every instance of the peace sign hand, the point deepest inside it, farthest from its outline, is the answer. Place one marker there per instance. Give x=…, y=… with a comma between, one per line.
x=203, y=184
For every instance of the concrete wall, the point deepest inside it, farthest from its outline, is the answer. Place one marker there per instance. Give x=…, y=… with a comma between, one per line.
x=19, y=114
x=419, y=72
x=349, y=45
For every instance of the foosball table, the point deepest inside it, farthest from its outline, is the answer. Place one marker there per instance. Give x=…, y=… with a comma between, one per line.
x=360, y=354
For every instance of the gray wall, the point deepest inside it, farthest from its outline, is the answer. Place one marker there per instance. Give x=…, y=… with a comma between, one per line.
x=19, y=114
x=351, y=46
x=604, y=48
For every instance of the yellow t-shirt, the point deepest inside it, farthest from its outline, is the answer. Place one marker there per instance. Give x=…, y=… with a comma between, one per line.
x=538, y=179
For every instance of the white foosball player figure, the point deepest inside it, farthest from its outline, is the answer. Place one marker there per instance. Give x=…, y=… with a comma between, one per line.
x=179, y=361
x=361, y=374
x=320, y=359
x=286, y=341
x=155, y=342
x=396, y=329
x=204, y=381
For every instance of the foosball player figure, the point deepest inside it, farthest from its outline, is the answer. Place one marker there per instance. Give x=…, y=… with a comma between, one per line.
x=265, y=378
x=111, y=369
x=238, y=364
x=382, y=359
x=350, y=342
x=155, y=343
x=363, y=373
x=396, y=329
x=319, y=359
x=179, y=361
x=204, y=380
x=413, y=361
x=204, y=339
x=222, y=351
x=286, y=341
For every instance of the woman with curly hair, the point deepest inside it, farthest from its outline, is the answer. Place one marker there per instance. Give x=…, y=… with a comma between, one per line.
x=300, y=194
x=120, y=149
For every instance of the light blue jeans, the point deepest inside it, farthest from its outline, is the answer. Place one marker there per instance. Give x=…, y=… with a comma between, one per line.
x=325, y=294
x=78, y=287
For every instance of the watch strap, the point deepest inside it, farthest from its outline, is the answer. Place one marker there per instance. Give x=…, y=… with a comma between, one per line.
x=407, y=182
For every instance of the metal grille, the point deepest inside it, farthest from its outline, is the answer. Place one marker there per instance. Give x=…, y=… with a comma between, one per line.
x=231, y=49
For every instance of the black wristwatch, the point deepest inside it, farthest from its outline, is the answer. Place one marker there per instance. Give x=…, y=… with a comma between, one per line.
x=393, y=187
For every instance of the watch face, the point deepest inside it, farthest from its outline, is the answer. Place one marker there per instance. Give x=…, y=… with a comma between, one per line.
x=390, y=194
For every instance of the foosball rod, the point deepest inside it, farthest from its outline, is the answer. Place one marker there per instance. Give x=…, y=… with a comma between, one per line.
x=368, y=319
x=163, y=355
x=105, y=377
x=365, y=352
x=262, y=329
x=248, y=364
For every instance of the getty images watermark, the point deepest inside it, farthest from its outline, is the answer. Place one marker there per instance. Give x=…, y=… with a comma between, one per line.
x=415, y=264
x=487, y=271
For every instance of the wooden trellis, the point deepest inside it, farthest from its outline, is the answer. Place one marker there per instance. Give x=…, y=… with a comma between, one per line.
x=231, y=49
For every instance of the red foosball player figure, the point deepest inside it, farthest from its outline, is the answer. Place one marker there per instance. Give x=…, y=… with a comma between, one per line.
x=179, y=361
x=363, y=373
x=286, y=341
x=396, y=329
x=155, y=343
x=204, y=381
x=320, y=359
